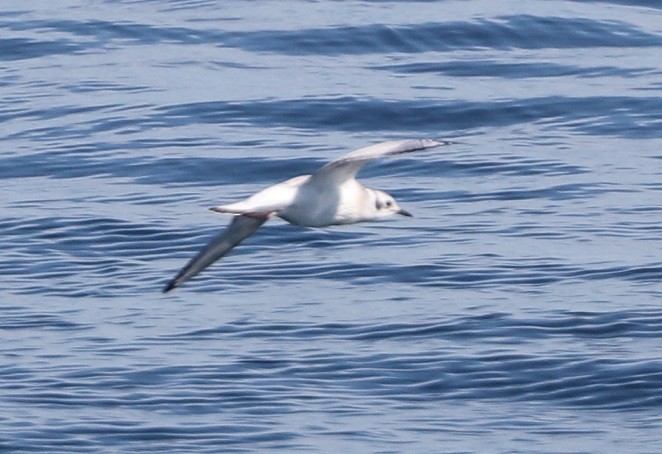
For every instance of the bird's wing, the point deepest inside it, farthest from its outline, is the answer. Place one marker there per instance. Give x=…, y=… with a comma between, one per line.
x=267, y=201
x=346, y=167
x=240, y=228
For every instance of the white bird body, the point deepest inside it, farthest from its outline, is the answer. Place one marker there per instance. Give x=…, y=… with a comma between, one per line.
x=330, y=196
x=269, y=200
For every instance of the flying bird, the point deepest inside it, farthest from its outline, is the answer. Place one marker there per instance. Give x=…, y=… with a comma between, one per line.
x=330, y=196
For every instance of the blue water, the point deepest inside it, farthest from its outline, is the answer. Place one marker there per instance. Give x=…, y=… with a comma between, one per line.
x=519, y=311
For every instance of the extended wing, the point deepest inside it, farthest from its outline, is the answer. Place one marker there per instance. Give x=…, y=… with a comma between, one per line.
x=346, y=167
x=240, y=228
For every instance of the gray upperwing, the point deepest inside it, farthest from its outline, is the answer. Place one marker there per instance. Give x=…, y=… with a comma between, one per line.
x=347, y=166
x=240, y=228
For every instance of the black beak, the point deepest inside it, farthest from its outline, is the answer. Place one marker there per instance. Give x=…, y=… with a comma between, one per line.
x=405, y=213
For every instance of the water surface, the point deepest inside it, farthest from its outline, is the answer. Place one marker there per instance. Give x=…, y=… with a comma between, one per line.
x=519, y=311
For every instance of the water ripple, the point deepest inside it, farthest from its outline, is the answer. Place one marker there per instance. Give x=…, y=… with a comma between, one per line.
x=586, y=115
x=520, y=305
x=504, y=33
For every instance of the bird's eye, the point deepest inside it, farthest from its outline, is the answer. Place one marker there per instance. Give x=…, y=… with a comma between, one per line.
x=389, y=203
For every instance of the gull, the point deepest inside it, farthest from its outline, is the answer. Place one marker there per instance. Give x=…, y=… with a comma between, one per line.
x=330, y=196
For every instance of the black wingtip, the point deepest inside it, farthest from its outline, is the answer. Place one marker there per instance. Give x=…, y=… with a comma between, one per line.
x=169, y=286
x=445, y=142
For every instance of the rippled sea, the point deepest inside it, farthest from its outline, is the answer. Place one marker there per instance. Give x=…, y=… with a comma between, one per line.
x=520, y=310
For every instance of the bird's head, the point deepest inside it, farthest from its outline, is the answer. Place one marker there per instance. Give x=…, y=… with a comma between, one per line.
x=385, y=205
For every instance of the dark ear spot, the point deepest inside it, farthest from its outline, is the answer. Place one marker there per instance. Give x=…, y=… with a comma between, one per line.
x=379, y=205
